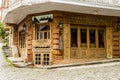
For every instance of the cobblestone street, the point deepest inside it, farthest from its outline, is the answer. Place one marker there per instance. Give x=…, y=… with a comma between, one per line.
x=109, y=71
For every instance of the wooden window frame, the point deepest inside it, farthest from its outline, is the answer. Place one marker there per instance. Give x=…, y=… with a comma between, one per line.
x=88, y=28
x=42, y=59
x=22, y=39
x=37, y=32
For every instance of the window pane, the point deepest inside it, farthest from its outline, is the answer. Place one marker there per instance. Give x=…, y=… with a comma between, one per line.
x=41, y=35
x=73, y=37
x=45, y=35
x=83, y=34
x=101, y=38
x=43, y=28
x=92, y=38
x=43, y=32
x=22, y=40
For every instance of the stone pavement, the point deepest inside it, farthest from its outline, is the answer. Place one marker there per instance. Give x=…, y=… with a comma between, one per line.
x=106, y=71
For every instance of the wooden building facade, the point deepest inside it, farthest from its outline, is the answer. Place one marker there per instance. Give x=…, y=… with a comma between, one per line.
x=51, y=37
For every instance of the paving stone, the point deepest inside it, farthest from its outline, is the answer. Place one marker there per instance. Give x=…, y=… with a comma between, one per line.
x=107, y=71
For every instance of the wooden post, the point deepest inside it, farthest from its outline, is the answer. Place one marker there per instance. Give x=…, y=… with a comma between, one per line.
x=109, y=42
x=66, y=30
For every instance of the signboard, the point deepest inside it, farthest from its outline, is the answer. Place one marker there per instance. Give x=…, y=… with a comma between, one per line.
x=42, y=18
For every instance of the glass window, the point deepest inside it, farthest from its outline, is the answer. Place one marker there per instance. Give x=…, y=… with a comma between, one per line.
x=101, y=38
x=92, y=38
x=45, y=35
x=22, y=39
x=74, y=37
x=43, y=32
x=41, y=35
x=83, y=34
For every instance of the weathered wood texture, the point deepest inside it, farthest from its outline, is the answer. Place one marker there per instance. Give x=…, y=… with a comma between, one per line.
x=112, y=48
x=115, y=40
x=29, y=39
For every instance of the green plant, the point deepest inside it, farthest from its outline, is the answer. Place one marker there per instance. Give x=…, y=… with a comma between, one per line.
x=8, y=61
x=3, y=34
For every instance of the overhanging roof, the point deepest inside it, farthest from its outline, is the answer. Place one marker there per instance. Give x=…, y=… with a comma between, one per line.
x=20, y=12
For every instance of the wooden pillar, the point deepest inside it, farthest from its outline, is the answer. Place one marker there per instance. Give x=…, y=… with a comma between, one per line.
x=29, y=39
x=109, y=41
x=15, y=35
x=66, y=41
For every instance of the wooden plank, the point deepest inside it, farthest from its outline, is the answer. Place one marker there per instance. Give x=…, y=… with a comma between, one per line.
x=109, y=41
x=116, y=38
x=66, y=39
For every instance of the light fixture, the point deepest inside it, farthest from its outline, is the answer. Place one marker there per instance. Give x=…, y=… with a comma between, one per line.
x=60, y=25
x=24, y=27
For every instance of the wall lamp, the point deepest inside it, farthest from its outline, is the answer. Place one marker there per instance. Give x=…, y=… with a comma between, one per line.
x=24, y=27
x=60, y=25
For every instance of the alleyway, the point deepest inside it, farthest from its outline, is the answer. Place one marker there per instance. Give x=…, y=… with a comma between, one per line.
x=109, y=71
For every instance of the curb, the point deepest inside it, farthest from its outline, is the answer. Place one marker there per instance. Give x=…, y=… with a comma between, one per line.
x=82, y=64
x=66, y=65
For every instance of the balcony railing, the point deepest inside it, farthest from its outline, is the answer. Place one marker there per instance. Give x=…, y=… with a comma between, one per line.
x=13, y=4
x=108, y=2
x=103, y=1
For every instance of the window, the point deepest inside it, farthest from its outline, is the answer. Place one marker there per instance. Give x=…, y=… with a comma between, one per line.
x=74, y=37
x=46, y=60
x=38, y=59
x=92, y=38
x=42, y=59
x=43, y=32
x=101, y=38
x=83, y=34
x=22, y=39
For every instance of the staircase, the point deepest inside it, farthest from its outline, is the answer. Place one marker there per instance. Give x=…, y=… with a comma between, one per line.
x=7, y=51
